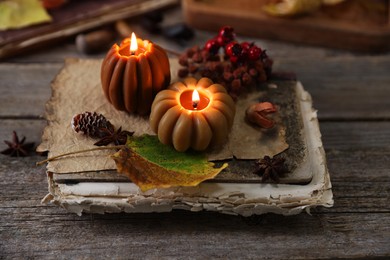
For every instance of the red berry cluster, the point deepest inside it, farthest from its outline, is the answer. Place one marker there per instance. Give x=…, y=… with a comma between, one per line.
x=235, y=52
x=241, y=66
x=225, y=36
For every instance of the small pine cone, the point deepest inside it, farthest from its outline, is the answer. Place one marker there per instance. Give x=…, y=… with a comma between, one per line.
x=182, y=73
x=91, y=124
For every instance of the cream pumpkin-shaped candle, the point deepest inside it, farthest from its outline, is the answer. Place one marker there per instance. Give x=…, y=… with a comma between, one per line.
x=133, y=73
x=192, y=114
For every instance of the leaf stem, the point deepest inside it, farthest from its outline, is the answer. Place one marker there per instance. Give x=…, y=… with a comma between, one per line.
x=80, y=151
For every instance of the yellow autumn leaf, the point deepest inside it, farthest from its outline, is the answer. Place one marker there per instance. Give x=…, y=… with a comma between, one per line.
x=332, y=2
x=16, y=14
x=150, y=164
x=292, y=7
x=288, y=8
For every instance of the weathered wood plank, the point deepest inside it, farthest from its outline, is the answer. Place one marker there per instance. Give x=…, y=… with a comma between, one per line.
x=359, y=165
x=29, y=229
x=31, y=129
x=355, y=135
x=345, y=87
x=24, y=89
x=204, y=235
x=54, y=54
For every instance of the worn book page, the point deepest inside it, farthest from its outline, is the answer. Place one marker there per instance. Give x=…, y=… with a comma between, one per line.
x=248, y=141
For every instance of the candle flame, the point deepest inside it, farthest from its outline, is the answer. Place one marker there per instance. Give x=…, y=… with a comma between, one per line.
x=195, y=99
x=133, y=44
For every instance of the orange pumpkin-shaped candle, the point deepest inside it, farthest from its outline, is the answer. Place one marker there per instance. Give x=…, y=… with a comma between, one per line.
x=192, y=114
x=133, y=73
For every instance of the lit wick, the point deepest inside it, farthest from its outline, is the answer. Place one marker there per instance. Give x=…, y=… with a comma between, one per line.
x=133, y=44
x=195, y=99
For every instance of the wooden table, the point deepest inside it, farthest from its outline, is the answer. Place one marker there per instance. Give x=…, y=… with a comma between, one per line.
x=351, y=92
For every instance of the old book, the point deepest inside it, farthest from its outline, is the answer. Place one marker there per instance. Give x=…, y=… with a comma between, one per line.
x=89, y=182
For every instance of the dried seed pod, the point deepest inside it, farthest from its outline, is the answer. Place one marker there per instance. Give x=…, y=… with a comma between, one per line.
x=257, y=114
x=17, y=147
x=271, y=168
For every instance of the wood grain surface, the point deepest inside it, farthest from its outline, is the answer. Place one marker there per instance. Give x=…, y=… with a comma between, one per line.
x=351, y=92
x=356, y=25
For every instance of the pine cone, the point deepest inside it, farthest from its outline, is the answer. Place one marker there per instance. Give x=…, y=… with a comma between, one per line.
x=92, y=124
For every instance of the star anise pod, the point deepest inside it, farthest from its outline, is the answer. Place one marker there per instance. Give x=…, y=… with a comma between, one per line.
x=270, y=168
x=17, y=147
x=117, y=137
